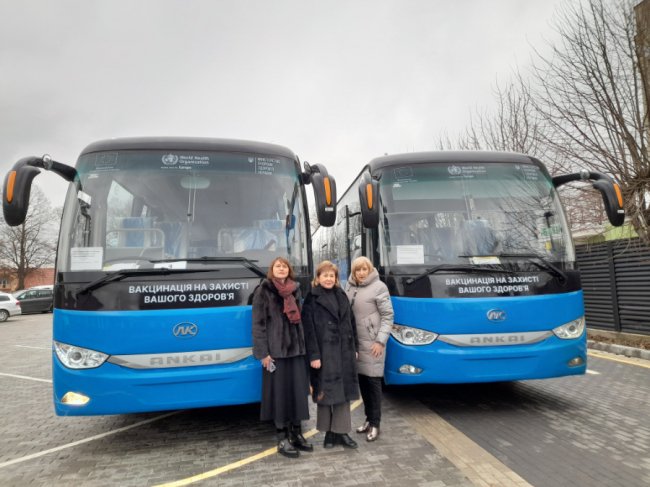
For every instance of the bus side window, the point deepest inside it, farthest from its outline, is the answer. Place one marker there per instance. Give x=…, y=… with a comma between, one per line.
x=355, y=233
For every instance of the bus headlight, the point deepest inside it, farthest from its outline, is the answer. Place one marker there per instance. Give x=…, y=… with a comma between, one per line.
x=412, y=336
x=77, y=357
x=570, y=330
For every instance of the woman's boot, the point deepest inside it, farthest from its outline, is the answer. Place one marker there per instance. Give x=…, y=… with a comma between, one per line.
x=299, y=441
x=373, y=433
x=346, y=441
x=330, y=440
x=364, y=427
x=284, y=444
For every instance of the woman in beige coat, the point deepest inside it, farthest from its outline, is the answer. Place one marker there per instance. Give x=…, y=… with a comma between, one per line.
x=373, y=312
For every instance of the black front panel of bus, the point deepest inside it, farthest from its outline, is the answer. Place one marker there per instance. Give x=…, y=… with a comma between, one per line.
x=461, y=285
x=199, y=290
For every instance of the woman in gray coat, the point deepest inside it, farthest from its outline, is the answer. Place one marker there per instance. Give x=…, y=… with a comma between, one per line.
x=373, y=313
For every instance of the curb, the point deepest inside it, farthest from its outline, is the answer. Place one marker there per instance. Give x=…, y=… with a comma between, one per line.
x=619, y=349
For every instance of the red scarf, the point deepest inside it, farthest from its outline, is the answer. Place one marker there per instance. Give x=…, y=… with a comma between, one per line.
x=286, y=290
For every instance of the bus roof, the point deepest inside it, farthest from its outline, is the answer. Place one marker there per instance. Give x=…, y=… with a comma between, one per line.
x=450, y=157
x=189, y=144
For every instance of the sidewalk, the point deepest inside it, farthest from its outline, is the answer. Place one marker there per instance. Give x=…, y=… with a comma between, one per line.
x=626, y=344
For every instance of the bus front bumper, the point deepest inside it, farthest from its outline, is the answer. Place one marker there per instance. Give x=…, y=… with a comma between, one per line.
x=112, y=389
x=443, y=363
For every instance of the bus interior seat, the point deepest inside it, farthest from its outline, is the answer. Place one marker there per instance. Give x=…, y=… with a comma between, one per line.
x=175, y=241
x=135, y=233
x=225, y=241
x=444, y=243
x=478, y=237
x=240, y=239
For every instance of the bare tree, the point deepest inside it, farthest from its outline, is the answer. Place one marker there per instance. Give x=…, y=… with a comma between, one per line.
x=583, y=106
x=513, y=125
x=590, y=95
x=31, y=245
x=510, y=124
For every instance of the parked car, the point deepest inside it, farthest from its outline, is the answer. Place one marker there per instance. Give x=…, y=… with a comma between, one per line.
x=9, y=306
x=38, y=299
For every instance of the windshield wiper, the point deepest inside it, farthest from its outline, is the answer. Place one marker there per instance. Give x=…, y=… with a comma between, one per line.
x=451, y=267
x=122, y=273
x=248, y=263
x=542, y=264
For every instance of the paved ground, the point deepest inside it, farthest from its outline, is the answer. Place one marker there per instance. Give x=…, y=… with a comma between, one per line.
x=592, y=430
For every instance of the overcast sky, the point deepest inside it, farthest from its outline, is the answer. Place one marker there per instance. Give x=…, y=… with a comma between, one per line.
x=338, y=82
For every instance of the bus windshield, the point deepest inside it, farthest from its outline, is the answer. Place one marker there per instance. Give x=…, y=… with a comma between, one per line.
x=134, y=208
x=470, y=213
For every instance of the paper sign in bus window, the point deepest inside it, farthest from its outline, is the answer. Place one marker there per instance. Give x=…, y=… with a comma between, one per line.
x=410, y=254
x=86, y=258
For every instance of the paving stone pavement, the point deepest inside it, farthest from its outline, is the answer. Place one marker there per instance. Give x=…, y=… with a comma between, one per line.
x=590, y=430
x=183, y=444
x=197, y=441
x=401, y=456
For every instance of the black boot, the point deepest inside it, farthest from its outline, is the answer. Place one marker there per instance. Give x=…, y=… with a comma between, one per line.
x=284, y=445
x=346, y=441
x=330, y=440
x=297, y=440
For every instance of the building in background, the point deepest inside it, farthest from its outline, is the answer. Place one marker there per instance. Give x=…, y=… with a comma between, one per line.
x=37, y=277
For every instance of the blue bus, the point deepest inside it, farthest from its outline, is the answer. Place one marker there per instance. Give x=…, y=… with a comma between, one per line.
x=162, y=242
x=477, y=255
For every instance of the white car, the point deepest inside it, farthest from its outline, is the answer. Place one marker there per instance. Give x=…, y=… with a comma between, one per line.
x=9, y=306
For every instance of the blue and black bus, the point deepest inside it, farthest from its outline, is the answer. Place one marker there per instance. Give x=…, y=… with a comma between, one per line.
x=161, y=245
x=478, y=257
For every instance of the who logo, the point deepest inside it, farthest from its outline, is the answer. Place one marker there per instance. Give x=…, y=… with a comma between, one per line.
x=170, y=159
x=185, y=330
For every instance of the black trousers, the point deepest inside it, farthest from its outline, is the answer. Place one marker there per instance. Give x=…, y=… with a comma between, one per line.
x=371, y=394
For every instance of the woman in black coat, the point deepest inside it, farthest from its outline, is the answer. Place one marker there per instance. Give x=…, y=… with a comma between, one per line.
x=279, y=342
x=332, y=346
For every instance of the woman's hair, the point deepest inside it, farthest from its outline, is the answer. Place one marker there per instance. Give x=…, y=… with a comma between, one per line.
x=360, y=262
x=326, y=265
x=291, y=275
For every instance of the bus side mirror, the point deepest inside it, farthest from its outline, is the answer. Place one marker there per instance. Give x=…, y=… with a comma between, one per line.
x=613, y=201
x=612, y=197
x=369, y=201
x=16, y=189
x=324, y=187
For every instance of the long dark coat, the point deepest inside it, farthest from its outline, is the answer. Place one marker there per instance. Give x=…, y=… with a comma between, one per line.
x=273, y=334
x=331, y=337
